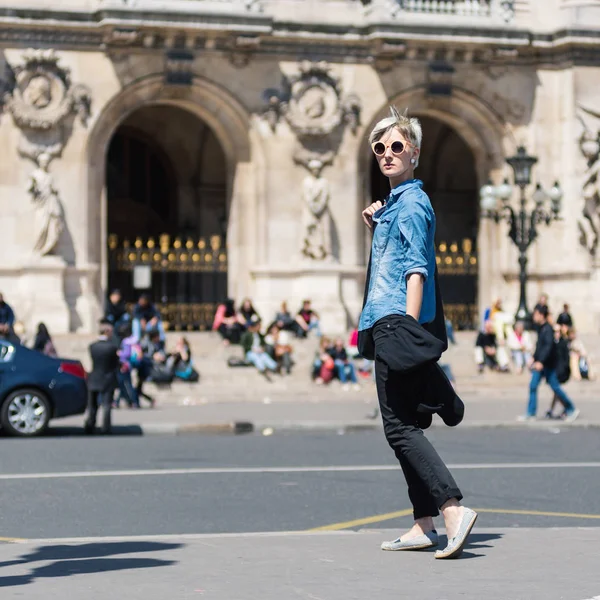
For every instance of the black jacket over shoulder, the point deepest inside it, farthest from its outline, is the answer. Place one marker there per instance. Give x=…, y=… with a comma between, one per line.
x=412, y=353
x=404, y=345
x=545, y=350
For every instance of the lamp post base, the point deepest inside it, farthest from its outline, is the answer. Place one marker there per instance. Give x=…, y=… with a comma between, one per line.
x=527, y=318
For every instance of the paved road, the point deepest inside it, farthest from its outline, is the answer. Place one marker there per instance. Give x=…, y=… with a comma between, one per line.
x=171, y=517
x=118, y=486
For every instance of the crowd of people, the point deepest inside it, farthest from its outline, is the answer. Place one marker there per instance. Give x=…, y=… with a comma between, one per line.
x=140, y=347
x=270, y=349
x=502, y=345
x=141, y=340
x=232, y=322
x=506, y=346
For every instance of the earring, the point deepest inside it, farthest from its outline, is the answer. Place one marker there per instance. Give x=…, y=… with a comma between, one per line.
x=412, y=161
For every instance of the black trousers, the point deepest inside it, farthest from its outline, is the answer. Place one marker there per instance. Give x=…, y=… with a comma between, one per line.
x=430, y=484
x=95, y=399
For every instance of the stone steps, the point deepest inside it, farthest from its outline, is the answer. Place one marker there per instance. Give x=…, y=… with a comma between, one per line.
x=220, y=383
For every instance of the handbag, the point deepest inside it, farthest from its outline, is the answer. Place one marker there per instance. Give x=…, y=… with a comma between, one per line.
x=161, y=374
x=584, y=368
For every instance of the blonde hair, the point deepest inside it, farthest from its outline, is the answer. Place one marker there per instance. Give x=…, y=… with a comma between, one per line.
x=409, y=127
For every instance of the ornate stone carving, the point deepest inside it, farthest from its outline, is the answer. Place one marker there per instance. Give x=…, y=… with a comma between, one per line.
x=589, y=224
x=312, y=102
x=41, y=102
x=42, y=97
x=48, y=212
x=179, y=65
x=250, y=5
x=507, y=10
x=316, y=241
x=242, y=49
x=387, y=54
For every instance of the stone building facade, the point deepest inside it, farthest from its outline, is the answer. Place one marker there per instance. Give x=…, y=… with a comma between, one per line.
x=204, y=148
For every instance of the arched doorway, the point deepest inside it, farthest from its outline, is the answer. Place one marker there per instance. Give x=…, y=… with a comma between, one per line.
x=447, y=168
x=167, y=213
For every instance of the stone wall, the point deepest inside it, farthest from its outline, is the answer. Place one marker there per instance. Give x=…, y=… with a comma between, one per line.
x=286, y=129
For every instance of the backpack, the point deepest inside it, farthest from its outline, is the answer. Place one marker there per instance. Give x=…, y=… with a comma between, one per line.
x=135, y=358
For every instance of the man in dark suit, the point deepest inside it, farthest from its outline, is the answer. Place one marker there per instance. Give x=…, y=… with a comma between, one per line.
x=102, y=381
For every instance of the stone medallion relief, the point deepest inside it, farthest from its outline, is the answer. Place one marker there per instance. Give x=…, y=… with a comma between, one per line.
x=311, y=102
x=43, y=102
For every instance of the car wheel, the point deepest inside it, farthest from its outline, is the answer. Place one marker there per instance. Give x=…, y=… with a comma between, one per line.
x=25, y=413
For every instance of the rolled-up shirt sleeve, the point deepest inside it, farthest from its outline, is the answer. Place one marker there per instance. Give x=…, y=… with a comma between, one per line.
x=414, y=223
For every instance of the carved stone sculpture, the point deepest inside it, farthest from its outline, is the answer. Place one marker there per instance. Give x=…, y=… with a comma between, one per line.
x=48, y=212
x=43, y=97
x=41, y=100
x=316, y=243
x=312, y=102
x=589, y=225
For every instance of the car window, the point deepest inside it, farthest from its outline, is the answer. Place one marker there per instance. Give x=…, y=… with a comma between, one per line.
x=6, y=351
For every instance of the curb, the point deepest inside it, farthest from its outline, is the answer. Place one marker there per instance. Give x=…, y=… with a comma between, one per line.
x=247, y=427
x=342, y=428
x=233, y=428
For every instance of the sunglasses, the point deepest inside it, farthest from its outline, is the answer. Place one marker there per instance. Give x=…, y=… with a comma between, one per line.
x=397, y=148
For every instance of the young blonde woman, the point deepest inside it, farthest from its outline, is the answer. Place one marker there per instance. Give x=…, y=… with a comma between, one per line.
x=400, y=302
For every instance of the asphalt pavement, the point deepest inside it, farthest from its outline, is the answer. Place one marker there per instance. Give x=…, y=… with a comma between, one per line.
x=74, y=487
x=292, y=515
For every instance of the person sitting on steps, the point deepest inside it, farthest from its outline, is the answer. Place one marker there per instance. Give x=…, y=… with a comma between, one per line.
x=486, y=349
x=227, y=324
x=253, y=344
x=146, y=319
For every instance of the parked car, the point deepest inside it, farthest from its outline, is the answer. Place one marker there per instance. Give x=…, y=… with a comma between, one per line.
x=35, y=388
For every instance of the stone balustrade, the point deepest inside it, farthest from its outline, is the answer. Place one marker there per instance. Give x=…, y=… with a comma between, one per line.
x=438, y=10
x=468, y=8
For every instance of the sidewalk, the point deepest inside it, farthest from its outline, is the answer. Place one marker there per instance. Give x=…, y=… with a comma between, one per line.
x=336, y=415
x=511, y=564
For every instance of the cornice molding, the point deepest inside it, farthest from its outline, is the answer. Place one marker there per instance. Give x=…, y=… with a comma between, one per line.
x=382, y=44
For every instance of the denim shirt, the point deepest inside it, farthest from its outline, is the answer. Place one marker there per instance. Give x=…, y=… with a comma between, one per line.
x=403, y=244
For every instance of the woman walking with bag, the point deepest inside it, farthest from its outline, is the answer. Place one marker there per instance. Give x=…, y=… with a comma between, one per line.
x=402, y=327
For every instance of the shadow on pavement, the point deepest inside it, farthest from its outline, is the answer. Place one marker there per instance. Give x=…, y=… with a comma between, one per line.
x=100, y=557
x=478, y=538
x=73, y=431
x=476, y=542
x=70, y=431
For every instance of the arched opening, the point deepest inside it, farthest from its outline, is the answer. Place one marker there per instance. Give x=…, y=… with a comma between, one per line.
x=448, y=170
x=141, y=186
x=167, y=213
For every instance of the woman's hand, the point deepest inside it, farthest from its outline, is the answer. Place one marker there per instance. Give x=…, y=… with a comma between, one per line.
x=368, y=213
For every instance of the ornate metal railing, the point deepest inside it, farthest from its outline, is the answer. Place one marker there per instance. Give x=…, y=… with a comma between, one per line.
x=458, y=268
x=453, y=259
x=462, y=316
x=187, y=277
x=170, y=254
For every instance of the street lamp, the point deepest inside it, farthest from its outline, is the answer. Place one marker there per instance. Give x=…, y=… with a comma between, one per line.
x=522, y=225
